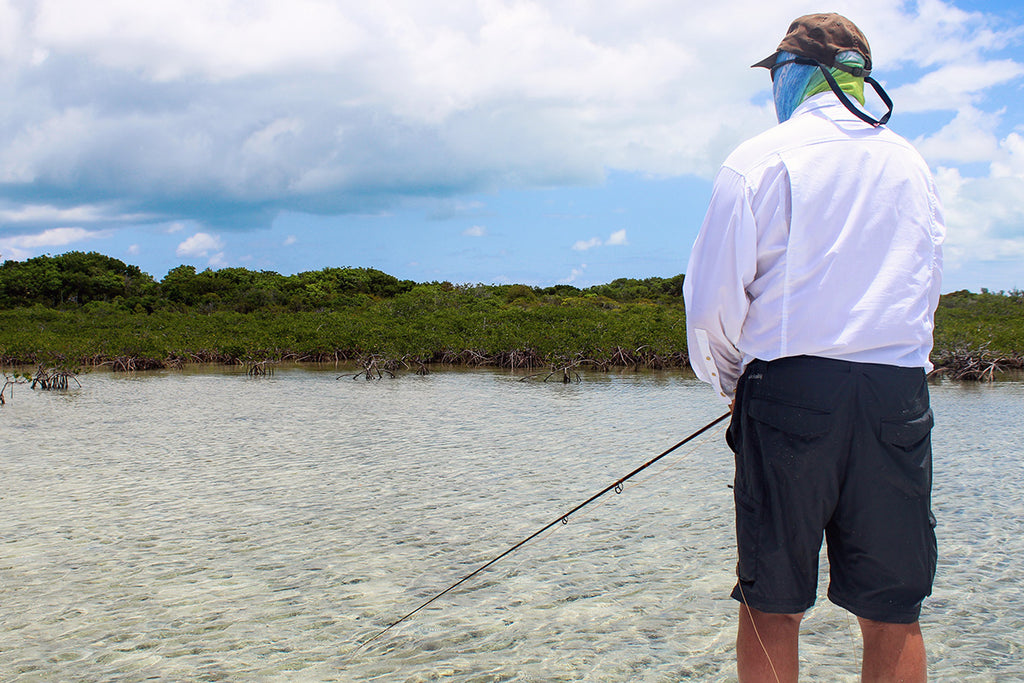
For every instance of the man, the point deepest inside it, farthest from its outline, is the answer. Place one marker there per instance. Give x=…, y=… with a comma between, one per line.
x=810, y=295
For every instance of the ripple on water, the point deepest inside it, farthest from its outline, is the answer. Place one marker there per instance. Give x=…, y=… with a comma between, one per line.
x=210, y=526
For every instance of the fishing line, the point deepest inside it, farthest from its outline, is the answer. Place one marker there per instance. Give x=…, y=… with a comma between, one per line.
x=561, y=519
x=753, y=625
x=853, y=638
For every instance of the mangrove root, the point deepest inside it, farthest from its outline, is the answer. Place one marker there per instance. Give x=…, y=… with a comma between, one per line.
x=565, y=370
x=10, y=382
x=261, y=368
x=57, y=378
x=978, y=364
x=374, y=367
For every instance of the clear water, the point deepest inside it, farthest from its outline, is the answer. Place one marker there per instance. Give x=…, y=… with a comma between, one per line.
x=205, y=525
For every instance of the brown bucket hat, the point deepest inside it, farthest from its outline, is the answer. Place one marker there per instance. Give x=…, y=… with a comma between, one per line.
x=821, y=37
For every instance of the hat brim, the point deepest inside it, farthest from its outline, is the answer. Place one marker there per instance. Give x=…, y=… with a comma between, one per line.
x=768, y=62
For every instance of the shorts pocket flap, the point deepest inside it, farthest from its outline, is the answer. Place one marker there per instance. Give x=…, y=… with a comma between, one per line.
x=907, y=433
x=795, y=420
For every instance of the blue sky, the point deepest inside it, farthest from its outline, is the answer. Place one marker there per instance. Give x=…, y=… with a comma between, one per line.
x=471, y=141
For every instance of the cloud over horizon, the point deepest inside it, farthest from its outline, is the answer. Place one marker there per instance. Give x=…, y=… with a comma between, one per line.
x=200, y=245
x=20, y=247
x=223, y=117
x=616, y=239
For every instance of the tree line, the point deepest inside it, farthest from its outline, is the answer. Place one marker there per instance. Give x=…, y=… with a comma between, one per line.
x=85, y=307
x=78, y=278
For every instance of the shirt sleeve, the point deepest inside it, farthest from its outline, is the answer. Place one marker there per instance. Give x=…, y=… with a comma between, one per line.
x=722, y=263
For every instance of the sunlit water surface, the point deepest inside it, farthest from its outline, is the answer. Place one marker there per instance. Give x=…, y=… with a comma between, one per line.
x=206, y=525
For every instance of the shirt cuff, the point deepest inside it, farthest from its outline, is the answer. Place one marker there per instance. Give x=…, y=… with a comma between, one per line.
x=705, y=366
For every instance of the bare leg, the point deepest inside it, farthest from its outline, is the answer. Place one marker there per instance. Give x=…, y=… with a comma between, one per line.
x=893, y=652
x=776, y=661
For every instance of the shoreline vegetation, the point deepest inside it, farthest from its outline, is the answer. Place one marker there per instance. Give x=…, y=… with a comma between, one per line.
x=87, y=309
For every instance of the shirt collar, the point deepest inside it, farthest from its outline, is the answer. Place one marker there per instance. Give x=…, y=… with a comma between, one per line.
x=829, y=104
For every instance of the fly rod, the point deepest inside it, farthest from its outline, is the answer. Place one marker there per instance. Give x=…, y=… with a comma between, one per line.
x=562, y=519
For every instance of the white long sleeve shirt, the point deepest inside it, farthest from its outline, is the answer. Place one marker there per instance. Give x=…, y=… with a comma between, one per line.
x=823, y=238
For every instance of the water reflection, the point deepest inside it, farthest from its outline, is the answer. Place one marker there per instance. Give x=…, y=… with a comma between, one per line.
x=210, y=526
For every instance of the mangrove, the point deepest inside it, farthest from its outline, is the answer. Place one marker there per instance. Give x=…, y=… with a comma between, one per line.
x=89, y=309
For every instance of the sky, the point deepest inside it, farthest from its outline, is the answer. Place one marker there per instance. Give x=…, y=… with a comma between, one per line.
x=473, y=141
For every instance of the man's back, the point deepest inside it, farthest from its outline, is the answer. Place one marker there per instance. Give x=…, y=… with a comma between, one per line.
x=844, y=232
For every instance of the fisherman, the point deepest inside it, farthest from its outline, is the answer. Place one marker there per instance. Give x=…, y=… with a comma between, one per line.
x=810, y=298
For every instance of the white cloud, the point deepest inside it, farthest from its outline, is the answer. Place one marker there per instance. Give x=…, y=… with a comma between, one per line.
x=475, y=231
x=199, y=245
x=584, y=245
x=196, y=109
x=956, y=85
x=25, y=246
x=985, y=214
x=29, y=214
x=1011, y=161
x=574, y=275
x=969, y=137
x=206, y=114
x=290, y=240
x=215, y=39
x=36, y=213
x=58, y=237
x=617, y=239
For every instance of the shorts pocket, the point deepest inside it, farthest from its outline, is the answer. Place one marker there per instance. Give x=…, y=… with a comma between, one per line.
x=908, y=434
x=908, y=444
x=748, y=533
x=799, y=421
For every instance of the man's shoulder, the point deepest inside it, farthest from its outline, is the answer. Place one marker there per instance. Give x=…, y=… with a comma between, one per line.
x=811, y=128
x=760, y=149
x=766, y=150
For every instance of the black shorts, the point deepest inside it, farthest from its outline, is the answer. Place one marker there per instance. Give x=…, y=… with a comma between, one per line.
x=827, y=447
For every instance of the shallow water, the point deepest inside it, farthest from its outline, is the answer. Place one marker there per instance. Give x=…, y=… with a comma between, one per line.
x=204, y=525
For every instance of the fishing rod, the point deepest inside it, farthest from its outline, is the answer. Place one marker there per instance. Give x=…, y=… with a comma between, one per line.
x=562, y=519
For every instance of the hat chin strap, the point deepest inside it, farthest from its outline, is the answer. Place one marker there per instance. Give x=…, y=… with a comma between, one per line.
x=846, y=100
